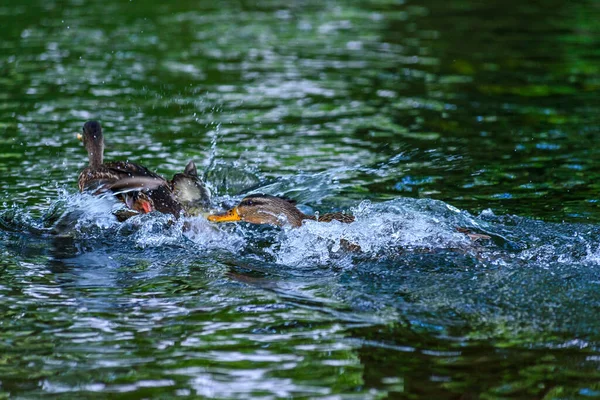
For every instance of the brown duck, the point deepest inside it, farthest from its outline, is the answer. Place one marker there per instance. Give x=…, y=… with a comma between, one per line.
x=273, y=210
x=139, y=188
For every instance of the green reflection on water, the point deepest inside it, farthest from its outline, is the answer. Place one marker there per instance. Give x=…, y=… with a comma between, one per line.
x=480, y=105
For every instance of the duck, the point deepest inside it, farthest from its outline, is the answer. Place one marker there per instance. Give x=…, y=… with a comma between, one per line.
x=281, y=211
x=141, y=190
x=190, y=191
x=262, y=208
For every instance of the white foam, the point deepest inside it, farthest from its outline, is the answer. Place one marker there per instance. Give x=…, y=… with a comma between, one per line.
x=206, y=235
x=379, y=230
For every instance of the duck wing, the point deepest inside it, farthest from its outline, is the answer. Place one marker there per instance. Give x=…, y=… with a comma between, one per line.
x=118, y=175
x=126, y=169
x=137, y=184
x=95, y=180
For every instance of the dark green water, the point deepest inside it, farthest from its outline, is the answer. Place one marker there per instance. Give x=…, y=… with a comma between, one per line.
x=417, y=117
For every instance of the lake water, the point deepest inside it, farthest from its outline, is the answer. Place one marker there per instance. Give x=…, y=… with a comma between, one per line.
x=417, y=117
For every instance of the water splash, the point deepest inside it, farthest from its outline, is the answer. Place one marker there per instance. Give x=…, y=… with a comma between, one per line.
x=386, y=230
x=212, y=155
x=205, y=235
x=310, y=188
x=84, y=217
x=380, y=230
x=231, y=178
x=403, y=254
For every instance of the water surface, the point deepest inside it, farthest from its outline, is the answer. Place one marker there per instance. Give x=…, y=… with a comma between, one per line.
x=418, y=118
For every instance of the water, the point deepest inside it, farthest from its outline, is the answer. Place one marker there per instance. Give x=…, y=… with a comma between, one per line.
x=419, y=118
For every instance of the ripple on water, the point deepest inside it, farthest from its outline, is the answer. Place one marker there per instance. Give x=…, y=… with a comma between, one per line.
x=413, y=262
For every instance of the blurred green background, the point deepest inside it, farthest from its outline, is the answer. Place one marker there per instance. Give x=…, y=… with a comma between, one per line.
x=477, y=104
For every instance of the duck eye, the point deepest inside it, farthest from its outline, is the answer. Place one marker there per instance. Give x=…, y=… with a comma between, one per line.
x=249, y=203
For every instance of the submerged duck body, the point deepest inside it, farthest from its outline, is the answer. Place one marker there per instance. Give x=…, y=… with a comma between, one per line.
x=139, y=188
x=273, y=210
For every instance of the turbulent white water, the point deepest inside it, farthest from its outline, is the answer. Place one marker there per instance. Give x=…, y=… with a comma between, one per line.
x=404, y=253
x=382, y=230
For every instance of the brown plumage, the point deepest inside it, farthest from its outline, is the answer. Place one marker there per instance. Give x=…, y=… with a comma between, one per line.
x=139, y=188
x=272, y=210
x=267, y=209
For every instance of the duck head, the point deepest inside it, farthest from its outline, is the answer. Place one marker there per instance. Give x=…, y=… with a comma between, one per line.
x=263, y=209
x=190, y=191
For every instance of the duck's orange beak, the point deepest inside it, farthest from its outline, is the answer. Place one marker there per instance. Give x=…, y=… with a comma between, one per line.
x=79, y=136
x=228, y=216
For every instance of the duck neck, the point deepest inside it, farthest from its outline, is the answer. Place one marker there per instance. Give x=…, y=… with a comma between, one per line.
x=96, y=155
x=295, y=218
